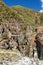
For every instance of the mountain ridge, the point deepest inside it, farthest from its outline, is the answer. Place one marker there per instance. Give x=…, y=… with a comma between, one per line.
x=20, y=13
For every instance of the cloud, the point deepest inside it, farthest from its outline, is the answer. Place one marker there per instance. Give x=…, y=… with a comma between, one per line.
x=41, y=0
x=41, y=6
x=41, y=10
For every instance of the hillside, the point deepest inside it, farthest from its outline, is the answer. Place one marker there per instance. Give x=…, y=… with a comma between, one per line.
x=41, y=18
x=19, y=27
x=19, y=13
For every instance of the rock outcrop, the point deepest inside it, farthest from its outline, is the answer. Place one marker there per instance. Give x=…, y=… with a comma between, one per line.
x=21, y=29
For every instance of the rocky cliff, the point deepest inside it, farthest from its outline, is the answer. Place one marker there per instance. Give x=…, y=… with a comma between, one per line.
x=18, y=28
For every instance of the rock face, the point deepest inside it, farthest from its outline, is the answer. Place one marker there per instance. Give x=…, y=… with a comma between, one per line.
x=8, y=44
x=17, y=26
x=39, y=45
x=14, y=38
x=25, y=43
x=39, y=41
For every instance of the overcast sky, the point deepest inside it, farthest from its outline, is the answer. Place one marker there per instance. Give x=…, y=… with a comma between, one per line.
x=34, y=4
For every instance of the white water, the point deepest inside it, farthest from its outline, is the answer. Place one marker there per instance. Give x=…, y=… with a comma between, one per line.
x=23, y=61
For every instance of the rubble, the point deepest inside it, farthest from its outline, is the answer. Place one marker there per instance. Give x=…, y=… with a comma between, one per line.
x=22, y=61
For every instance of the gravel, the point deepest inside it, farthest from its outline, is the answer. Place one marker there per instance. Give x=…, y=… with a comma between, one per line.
x=23, y=61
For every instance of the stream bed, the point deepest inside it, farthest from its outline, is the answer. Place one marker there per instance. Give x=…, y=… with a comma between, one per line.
x=23, y=61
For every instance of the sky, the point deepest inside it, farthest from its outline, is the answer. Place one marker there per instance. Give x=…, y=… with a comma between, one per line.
x=33, y=4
